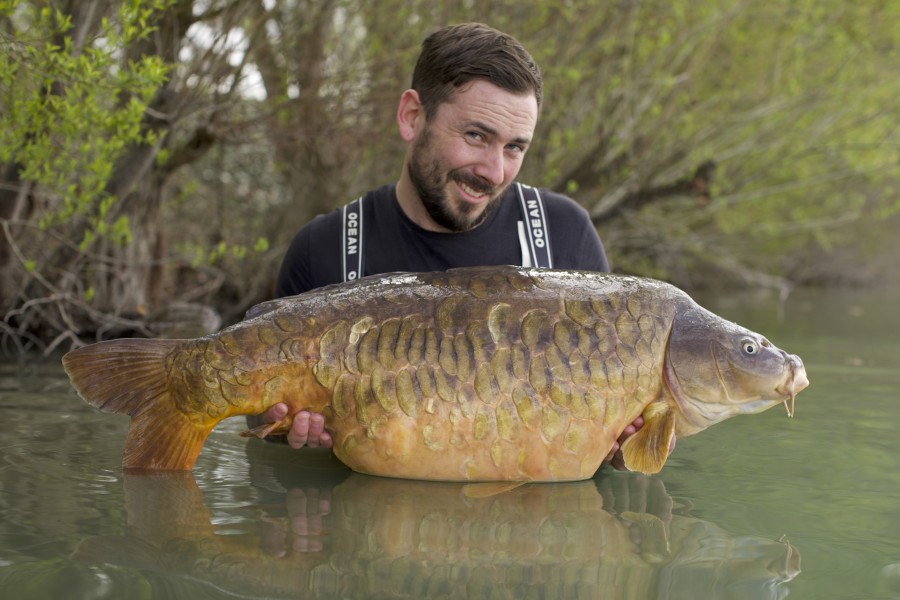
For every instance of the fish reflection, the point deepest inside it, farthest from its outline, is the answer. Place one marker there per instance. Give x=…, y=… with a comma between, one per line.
x=351, y=535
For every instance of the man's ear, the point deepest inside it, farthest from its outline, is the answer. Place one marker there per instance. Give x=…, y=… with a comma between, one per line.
x=410, y=113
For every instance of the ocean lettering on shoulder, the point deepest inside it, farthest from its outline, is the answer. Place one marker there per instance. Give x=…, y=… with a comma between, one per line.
x=352, y=232
x=533, y=233
x=537, y=223
x=352, y=236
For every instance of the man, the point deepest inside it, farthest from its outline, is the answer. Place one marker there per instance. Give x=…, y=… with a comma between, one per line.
x=468, y=121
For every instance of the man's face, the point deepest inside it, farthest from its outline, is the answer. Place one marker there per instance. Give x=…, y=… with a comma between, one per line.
x=464, y=158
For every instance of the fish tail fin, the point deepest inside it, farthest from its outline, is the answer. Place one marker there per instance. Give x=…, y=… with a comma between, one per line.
x=129, y=376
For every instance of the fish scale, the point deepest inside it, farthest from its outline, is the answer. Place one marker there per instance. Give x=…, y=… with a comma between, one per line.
x=490, y=373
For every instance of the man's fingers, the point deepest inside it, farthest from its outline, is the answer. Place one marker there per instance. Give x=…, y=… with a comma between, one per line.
x=614, y=458
x=612, y=452
x=626, y=433
x=316, y=424
x=298, y=436
x=631, y=428
x=308, y=429
x=276, y=412
x=316, y=429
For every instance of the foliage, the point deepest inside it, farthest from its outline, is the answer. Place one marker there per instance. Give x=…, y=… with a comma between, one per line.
x=69, y=112
x=70, y=106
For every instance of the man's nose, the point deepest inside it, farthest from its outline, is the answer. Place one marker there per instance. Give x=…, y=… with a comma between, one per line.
x=491, y=167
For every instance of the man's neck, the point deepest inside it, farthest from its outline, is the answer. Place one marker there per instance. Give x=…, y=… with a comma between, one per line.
x=412, y=206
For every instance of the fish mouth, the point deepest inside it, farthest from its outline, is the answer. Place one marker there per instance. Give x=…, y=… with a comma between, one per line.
x=796, y=382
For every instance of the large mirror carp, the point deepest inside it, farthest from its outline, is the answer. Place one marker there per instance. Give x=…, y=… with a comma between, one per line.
x=474, y=374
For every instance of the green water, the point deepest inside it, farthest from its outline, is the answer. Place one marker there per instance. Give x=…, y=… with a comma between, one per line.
x=756, y=507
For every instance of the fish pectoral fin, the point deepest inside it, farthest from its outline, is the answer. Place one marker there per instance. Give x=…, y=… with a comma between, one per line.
x=647, y=450
x=488, y=489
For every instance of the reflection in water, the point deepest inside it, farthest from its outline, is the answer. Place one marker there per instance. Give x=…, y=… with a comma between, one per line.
x=349, y=535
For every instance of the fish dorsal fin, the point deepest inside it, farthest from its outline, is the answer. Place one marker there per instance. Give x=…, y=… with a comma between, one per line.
x=646, y=451
x=261, y=309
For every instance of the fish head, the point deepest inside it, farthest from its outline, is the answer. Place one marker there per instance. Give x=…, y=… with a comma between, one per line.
x=716, y=369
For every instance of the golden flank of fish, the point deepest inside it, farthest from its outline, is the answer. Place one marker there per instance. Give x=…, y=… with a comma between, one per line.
x=476, y=374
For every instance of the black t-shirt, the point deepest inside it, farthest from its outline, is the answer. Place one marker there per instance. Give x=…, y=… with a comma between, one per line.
x=392, y=242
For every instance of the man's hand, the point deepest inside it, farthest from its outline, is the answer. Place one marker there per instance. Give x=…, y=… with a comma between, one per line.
x=303, y=529
x=615, y=458
x=307, y=429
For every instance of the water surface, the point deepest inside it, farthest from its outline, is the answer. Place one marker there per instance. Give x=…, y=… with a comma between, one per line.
x=756, y=507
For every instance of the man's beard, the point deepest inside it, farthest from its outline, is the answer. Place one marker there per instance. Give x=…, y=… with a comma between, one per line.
x=430, y=185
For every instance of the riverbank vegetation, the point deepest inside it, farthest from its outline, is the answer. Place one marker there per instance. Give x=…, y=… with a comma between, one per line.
x=156, y=156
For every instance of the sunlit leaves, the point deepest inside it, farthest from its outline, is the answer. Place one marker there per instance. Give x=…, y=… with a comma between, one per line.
x=68, y=113
x=203, y=256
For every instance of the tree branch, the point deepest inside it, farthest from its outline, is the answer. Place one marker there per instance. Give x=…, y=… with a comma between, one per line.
x=696, y=186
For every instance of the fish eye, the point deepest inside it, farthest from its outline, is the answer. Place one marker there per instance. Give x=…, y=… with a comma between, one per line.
x=749, y=346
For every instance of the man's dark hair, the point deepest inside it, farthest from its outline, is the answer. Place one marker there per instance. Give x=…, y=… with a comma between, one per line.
x=458, y=54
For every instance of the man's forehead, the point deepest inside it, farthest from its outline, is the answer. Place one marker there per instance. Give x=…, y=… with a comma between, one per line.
x=494, y=108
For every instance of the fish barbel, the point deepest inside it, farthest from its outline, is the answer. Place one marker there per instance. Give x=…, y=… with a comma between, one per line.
x=474, y=374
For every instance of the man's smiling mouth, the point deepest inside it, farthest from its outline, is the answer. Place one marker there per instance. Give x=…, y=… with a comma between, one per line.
x=472, y=192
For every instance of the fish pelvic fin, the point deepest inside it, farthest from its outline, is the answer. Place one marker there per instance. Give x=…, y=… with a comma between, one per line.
x=647, y=450
x=129, y=376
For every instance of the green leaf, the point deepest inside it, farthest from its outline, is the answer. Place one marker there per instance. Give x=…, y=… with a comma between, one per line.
x=261, y=245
